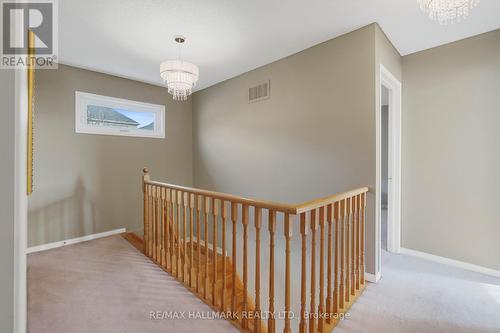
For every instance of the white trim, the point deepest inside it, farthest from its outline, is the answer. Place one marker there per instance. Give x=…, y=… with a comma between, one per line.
x=20, y=200
x=210, y=245
x=394, y=166
x=378, y=181
x=373, y=278
x=451, y=262
x=54, y=245
x=83, y=99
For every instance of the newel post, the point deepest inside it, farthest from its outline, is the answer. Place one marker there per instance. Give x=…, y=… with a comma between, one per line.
x=145, y=238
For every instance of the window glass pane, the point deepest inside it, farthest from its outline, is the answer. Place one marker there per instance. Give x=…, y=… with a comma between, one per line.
x=119, y=118
x=95, y=114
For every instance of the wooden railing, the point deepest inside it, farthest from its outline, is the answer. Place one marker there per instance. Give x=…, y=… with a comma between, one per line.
x=177, y=223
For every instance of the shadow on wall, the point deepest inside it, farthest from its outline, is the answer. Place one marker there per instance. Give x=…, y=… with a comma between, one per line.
x=72, y=216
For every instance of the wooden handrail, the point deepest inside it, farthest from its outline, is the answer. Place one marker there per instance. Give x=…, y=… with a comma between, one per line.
x=177, y=222
x=281, y=207
x=229, y=197
x=318, y=203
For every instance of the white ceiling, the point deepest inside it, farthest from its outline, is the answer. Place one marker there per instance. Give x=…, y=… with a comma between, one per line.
x=225, y=38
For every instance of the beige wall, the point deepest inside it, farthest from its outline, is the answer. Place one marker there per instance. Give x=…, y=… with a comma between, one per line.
x=387, y=55
x=7, y=177
x=451, y=145
x=315, y=136
x=87, y=183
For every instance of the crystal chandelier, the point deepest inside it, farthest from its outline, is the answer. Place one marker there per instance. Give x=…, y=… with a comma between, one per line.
x=447, y=11
x=179, y=76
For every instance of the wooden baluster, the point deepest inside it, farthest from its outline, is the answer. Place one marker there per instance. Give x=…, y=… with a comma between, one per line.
x=172, y=231
x=358, y=242
x=312, y=320
x=244, y=217
x=164, y=228
x=145, y=189
x=271, y=325
x=223, y=213
x=159, y=225
x=348, y=250
x=171, y=194
x=147, y=223
x=199, y=205
x=161, y=228
x=169, y=230
x=178, y=234
x=356, y=238
x=336, y=278
x=353, y=246
x=152, y=247
x=152, y=220
x=171, y=205
x=288, y=237
x=192, y=198
x=303, y=296
x=175, y=232
x=155, y=224
x=185, y=203
x=234, y=218
x=215, y=221
x=258, y=224
x=207, y=278
x=329, y=300
x=341, y=225
x=321, y=305
x=363, y=208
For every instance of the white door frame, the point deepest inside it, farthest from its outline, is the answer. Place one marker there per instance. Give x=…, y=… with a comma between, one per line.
x=394, y=166
x=20, y=202
x=20, y=196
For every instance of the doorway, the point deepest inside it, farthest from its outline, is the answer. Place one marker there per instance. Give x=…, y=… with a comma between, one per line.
x=388, y=194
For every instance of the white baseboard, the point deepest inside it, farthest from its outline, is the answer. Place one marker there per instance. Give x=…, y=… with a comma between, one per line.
x=372, y=277
x=54, y=245
x=202, y=243
x=451, y=262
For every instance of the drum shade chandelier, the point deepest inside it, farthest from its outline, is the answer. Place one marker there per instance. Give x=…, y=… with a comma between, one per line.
x=179, y=76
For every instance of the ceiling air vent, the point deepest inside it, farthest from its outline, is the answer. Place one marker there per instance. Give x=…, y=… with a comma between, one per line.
x=259, y=92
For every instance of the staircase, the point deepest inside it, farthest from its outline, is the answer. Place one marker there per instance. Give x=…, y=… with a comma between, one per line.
x=189, y=277
x=188, y=233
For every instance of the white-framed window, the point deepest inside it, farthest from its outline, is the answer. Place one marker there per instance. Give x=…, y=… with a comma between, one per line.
x=96, y=114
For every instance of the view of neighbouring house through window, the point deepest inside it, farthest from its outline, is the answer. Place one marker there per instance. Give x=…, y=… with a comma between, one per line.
x=110, y=117
x=96, y=114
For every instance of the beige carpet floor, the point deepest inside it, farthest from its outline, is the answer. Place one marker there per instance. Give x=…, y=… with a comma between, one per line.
x=419, y=296
x=107, y=286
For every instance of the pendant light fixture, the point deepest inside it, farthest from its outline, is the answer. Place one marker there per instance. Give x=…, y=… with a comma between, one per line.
x=179, y=76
